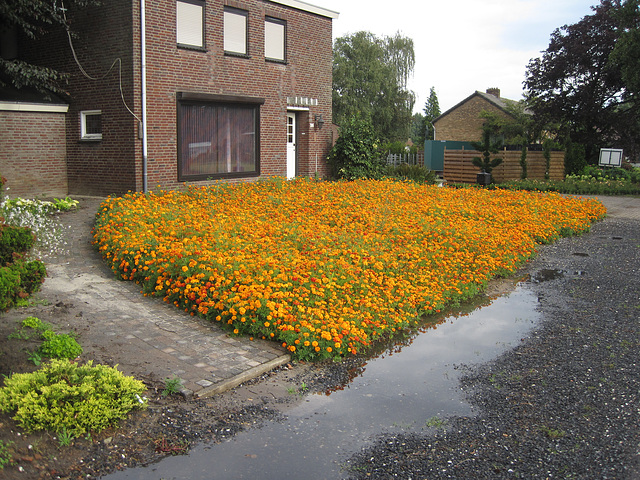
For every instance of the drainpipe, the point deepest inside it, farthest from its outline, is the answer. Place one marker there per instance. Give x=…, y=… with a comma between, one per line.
x=143, y=58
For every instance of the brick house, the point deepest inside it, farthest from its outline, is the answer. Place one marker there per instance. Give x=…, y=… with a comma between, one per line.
x=462, y=122
x=451, y=153
x=219, y=90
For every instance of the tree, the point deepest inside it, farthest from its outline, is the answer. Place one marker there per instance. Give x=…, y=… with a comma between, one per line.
x=370, y=79
x=417, y=129
x=578, y=88
x=33, y=19
x=431, y=112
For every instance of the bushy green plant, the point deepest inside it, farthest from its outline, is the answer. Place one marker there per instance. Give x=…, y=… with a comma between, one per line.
x=59, y=345
x=415, y=173
x=64, y=396
x=355, y=153
x=6, y=458
x=18, y=280
x=14, y=240
x=9, y=287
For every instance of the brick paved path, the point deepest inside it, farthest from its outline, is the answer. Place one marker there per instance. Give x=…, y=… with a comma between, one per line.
x=126, y=325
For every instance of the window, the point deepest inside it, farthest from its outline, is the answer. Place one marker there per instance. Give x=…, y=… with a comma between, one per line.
x=190, y=23
x=235, y=31
x=275, y=39
x=217, y=136
x=91, y=125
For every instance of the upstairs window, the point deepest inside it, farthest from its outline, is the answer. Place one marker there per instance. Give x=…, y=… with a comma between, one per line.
x=275, y=34
x=236, y=31
x=190, y=23
x=91, y=125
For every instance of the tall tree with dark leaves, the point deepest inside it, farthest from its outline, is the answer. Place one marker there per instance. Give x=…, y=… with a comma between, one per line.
x=576, y=87
x=431, y=112
x=31, y=19
x=370, y=77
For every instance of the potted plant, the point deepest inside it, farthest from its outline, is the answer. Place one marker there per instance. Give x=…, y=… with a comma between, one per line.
x=488, y=146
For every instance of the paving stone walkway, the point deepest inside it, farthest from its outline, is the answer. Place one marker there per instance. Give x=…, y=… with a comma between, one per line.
x=126, y=324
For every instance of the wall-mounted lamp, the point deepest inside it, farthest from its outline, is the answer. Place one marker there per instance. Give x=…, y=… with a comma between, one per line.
x=319, y=121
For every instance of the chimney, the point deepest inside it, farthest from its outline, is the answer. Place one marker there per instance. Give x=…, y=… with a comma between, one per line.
x=494, y=91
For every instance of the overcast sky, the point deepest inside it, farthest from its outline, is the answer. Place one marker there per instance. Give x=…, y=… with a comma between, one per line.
x=462, y=45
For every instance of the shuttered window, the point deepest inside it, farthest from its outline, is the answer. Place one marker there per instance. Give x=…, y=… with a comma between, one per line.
x=190, y=23
x=275, y=39
x=235, y=31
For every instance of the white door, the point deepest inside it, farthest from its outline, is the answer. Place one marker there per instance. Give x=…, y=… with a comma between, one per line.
x=291, y=145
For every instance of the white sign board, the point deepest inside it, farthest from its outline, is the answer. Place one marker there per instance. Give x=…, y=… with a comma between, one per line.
x=610, y=157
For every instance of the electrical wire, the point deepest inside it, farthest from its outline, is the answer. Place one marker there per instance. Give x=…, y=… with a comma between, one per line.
x=117, y=61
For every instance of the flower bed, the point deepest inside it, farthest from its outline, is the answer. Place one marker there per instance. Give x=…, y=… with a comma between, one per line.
x=326, y=268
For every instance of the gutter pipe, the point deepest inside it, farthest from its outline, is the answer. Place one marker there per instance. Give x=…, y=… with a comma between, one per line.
x=143, y=58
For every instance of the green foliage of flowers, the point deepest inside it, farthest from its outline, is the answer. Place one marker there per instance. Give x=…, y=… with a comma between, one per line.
x=59, y=345
x=6, y=458
x=591, y=180
x=67, y=397
x=577, y=185
x=414, y=173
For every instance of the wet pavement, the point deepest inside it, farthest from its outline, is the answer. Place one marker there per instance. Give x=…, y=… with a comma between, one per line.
x=170, y=342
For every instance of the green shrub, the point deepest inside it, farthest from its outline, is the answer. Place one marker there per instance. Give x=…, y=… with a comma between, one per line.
x=9, y=287
x=5, y=455
x=355, y=153
x=14, y=240
x=32, y=274
x=416, y=173
x=64, y=396
x=59, y=345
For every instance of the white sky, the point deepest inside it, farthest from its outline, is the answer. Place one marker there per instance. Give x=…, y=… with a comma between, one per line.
x=463, y=45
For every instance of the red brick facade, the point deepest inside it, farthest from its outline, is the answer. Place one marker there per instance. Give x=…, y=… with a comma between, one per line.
x=32, y=157
x=111, y=33
x=463, y=123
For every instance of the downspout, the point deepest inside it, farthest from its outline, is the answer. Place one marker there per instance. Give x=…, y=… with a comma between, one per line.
x=143, y=72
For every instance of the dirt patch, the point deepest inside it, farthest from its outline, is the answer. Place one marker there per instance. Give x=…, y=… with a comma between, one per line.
x=169, y=426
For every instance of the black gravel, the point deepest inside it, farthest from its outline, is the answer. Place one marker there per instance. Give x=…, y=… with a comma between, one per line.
x=564, y=403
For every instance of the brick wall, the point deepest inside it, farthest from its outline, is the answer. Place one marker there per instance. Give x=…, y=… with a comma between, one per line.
x=112, y=31
x=33, y=154
x=463, y=124
x=306, y=74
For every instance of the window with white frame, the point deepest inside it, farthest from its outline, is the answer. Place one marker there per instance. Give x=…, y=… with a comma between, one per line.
x=236, y=31
x=91, y=125
x=275, y=35
x=190, y=23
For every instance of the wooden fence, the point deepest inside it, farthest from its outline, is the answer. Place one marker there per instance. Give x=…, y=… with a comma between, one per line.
x=458, y=166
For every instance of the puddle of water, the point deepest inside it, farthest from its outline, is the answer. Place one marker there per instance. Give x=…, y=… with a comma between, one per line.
x=399, y=390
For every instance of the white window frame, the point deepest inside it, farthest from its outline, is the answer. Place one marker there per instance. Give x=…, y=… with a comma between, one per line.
x=190, y=23
x=84, y=135
x=275, y=39
x=236, y=31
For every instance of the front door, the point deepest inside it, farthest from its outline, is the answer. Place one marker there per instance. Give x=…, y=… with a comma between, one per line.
x=291, y=145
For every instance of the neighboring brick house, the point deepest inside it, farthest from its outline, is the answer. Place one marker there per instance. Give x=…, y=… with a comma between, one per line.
x=233, y=90
x=451, y=153
x=462, y=123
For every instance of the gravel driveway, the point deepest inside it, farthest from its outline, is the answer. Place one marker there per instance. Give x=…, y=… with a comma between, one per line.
x=564, y=403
